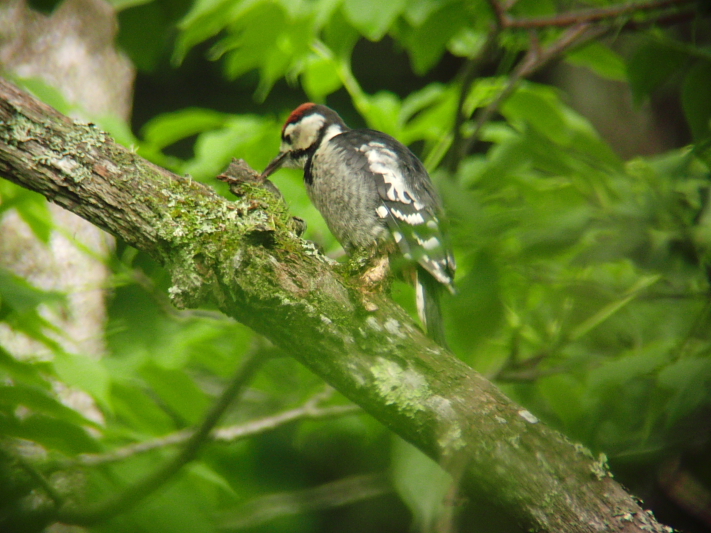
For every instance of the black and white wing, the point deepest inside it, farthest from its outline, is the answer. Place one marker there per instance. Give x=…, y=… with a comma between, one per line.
x=409, y=205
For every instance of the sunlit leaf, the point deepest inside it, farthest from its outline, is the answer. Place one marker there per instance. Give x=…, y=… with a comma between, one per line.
x=372, y=17
x=169, y=128
x=321, y=78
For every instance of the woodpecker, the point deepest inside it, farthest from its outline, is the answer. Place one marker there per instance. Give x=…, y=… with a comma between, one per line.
x=372, y=190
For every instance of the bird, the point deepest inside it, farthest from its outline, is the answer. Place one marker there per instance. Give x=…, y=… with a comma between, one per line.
x=374, y=195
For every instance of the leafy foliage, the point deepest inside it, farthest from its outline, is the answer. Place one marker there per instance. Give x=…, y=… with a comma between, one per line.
x=583, y=277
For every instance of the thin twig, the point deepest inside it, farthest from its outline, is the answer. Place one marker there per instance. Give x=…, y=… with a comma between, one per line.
x=589, y=15
x=581, y=30
x=335, y=494
x=500, y=13
x=308, y=411
x=144, y=487
x=467, y=75
x=42, y=481
x=533, y=61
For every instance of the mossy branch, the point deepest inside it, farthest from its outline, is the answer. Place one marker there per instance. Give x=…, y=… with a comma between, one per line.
x=217, y=253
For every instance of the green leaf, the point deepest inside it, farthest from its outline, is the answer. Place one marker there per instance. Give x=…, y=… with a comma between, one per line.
x=615, y=373
x=38, y=400
x=428, y=42
x=540, y=108
x=482, y=93
x=563, y=393
x=467, y=42
x=32, y=207
x=139, y=411
x=52, y=433
x=119, y=129
x=144, y=32
x=613, y=307
x=253, y=138
x=125, y=4
x=168, y=128
x=26, y=372
x=206, y=19
x=49, y=94
x=16, y=292
x=428, y=114
x=534, y=8
x=180, y=393
x=373, y=18
x=652, y=65
x=601, y=60
x=696, y=101
x=413, y=470
x=417, y=11
x=417, y=101
x=202, y=473
x=479, y=310
x=84, y=373
x=383, y=113
x=253, y=41
x=182, y=506
x=340, y=36
x=690, y=380
x=320, y=78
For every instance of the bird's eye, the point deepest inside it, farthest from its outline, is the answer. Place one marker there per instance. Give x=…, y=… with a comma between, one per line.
x=287, y=139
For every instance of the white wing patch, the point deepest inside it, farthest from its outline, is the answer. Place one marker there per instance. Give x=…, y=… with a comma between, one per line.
x=420, y=300
x=430, y=244
x=414, y=226
x=413, y=218
x=383, y=161
x=382, y=211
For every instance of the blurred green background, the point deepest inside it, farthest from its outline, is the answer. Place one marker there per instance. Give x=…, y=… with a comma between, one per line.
x=580, y=220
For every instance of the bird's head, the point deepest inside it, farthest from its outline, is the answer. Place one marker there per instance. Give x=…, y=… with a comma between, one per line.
x=307, y=127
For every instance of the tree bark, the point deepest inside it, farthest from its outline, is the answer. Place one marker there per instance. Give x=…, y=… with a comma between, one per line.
x=243, y=257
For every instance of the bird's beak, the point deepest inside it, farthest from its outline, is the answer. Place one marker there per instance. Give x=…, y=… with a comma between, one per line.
x=275, y=165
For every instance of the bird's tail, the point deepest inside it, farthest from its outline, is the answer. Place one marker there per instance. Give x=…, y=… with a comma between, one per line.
x=427, y=291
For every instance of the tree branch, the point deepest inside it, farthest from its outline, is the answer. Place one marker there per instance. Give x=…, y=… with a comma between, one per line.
x=243, y=257
x=535, y=59
x=586, y=16
x=581, y=28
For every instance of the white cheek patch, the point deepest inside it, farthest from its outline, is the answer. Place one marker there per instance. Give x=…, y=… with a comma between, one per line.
x=288, y=130
x=305, y=132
